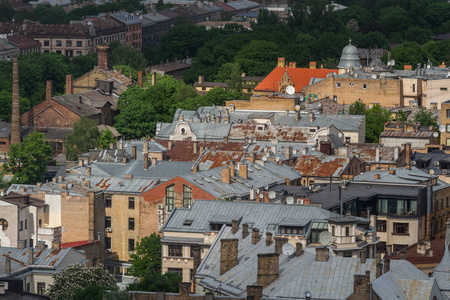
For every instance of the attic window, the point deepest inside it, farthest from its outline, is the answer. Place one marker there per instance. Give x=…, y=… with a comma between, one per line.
x=260, y=127
x=312, y=130
x=215, y=226
x=187, y=222
x=291, y=230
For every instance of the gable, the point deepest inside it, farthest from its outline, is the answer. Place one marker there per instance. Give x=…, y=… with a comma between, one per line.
x=47, y=114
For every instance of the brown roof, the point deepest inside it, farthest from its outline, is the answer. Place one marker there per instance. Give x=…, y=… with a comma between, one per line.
x=47, y=30
x=217, y=158
x=271, y=132
x=170, y=66
x=212, y=84
x=437, y=245
x=91, y=102
x=21, y=200
x=23, y=41
x=320, y=165
x=421, y=134
x=367, y=152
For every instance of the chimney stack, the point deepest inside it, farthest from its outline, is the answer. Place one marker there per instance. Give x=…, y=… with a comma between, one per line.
x=40, y=245
x=387, y=265
x=228, y=254
x=56, y=245
x=21, y=244
x=362, y=287
x=102, y=57
x=134, y=152
x=88, y=171
x=289, y=152
x=363, y=256
x=226, y=175
x=49, y=90
x=194, y=168
x=268, y=265
x=140, y=79
x=298, y=249
x=154, y=161
x=15, y=118
x=234, y=226
x=244, y=230
x=269, y=239
x=145, y=147
x=254, y=292
x=408, y=154
x=30, y=256
x=169, y=145
x=279, y=242
x=200, y=79
x=243, y=171
x=378, y=258
x=8, y=265
x=145, y=161
x=255, y=236
x=69, y=84
x=377, y=154
x=232, y=166
x=322, y=254
x=195, y=146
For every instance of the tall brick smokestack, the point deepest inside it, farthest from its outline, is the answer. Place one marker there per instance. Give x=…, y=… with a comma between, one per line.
x=15, y=119
x=102, y=57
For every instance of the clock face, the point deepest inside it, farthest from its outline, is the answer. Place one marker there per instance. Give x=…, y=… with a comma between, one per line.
x=4, y=224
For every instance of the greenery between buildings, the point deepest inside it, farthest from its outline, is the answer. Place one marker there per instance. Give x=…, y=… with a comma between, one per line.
x=85, y=136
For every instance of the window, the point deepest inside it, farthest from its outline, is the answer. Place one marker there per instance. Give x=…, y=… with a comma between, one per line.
x=448, y=113
x=130, y=244
x=312, y=130
x=381, y=225
x=58, y=51
x=79, y=53
x=333, y=231
x=58, y=43
x=364, y=86
x=381, y=247
x=130, y=223
x=347, y=254
x=351, y=85
x=28, y=287
x=444, y=89
x=215, y=226
x=399, y=247
x=187, y=196
x=130, y=202
x=40, y=222
x=347, y=139
x=46, y=43
x=347, y=231
x=447, y=142
x=26, y=224
x=68, y=43
x=177, y=271
x=79, y=43
x=448, y=127
x=203, y=88
x=94, y=262
x=31, y=243
x=21, y=225
x=175, y=250
x=191, y=275
x=414, y=88
x=401, y=228
x=107, y=243
x=338, y=85
x=291, y=230
x=4, y=224
x=108, y=200
x=41, y=288
x=107, y=221
x=170, y=197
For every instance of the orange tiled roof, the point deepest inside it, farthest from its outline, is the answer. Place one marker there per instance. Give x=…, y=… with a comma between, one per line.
x=299, y=76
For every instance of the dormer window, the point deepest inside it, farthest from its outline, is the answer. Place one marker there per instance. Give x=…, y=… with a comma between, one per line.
x=260, y=127
x=215, y=226
x=291, y=230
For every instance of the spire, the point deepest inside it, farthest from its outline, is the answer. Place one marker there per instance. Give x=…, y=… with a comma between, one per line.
x=15, y=117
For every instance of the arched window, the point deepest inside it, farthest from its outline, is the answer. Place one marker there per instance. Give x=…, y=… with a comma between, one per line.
x=4, y=224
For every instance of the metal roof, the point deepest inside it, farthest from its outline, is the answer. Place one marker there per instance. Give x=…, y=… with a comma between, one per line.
x=321, y=165
x=117, y=184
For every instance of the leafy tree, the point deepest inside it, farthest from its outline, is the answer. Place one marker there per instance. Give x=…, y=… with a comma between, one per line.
x=6, y=105
x=96, y=292
x=425, y=118
x=85, y=136
x=106, y=139
x=80, y=65
x=258, y=58
x=376, y=117
x=121, y=54
x=157, y=282
x=77, y=277
x=266, y=17
x=401, y=116
x=28, y=160
x=395, y=19
x=406, y=54
x=357, y=108
x=230, y=73
x=47, y=14
x=147, y=256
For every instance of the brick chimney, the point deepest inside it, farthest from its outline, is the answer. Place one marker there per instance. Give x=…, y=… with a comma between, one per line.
x=30, y=256
x=226, y=175
x=102, y=57
x=288, y=152
x=184, y=288
x=312, y=64
x=281, y=62
x=195, y=147
x=363, y=256
x=298, y=249
x=279, y=242
x=255, y=236
x=140, y=79
x=88, y=171
x=269, y=239
x=379, y=270
x=234, y=226
x=69, y=84
x=56, y=245
x=169, y=145
x=20, y=244
x=387, y=265
x=408, y=154
x=8, y=265
x=200, y=79
x=322, y=254
x=232, y=166
x=361, y=287
x=194, y=168
x=40, y=245
x=244, y=230
x=15, y=117
x=243, y=171
x=154, y=161
x=134, y=152
x=145, y=161
x=49, y=90
x=145, y=147
x=268, y=264
x=228, y=254
x=254, y=292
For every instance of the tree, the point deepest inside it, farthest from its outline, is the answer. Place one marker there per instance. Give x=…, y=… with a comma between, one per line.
x=230, y=73
x=121, y=54
x=376, y=117
x=258, y=58
x=6, y=105
x=157, y=282
x=85, y=136
x=425, y=118
x=401, y=116
x=406, y=54
x=357, y=108
x=76, y=277
x=147, y=256
x=28, y=160
x=96, y=292
x=106, y=139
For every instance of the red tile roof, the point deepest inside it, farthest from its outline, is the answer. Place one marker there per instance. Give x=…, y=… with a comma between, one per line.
x=76, y=244
x=299, y=76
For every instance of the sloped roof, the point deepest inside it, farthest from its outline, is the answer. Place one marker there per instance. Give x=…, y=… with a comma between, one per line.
x=320, y=165
x=271, y=132
x=367, y=152
x=419, y=134
x=23, y=41
x=301, y=78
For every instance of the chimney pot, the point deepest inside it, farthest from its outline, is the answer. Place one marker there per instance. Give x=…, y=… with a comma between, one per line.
x=228, y=254
x=298, y=249
x=387, y=265
x=243, y=171
x=268, y=265
x=322, y=254
x=69, y=84
x=145, y=161
x=134, y=152
x=363, y=256
x=255, y=236
x=30, y=256
x=244, y=230
x=279, y=242
x=269, y=239
x=234, y=226
x=226, y=175
x=379, y=270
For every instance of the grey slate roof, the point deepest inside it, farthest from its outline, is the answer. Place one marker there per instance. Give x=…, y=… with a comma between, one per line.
x=116, y=184
x=297, y=274
x=430, y=158
x=202, y=212
x=201, y=130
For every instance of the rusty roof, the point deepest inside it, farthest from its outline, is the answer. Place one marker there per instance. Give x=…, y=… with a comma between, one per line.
x=270, y=132
x=420, y=134
x=47, y=30
x=367, y=152
x=22, y=41
x=320, y=165
x=217, y=158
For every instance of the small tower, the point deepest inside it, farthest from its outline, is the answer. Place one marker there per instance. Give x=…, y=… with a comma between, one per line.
x=349, y=59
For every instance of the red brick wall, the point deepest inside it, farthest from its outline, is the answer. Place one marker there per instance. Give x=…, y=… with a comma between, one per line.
x=47, y=113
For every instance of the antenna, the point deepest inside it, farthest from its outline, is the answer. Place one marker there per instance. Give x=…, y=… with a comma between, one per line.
x=272, y=195
x=288, y=249
x=290, y=200
x=290, y=90
x=325, y=238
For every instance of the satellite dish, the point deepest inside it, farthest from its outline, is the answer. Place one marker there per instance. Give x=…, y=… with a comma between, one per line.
x=441, y=128
x=392, y=62
x=264, y=158
x=431, y=172
x=278, y=158
x=261, y=196
x=302, y=98
x=435, y=134
x=272, y=195
x=290, y=90
x=288, y=249
x=340, y=134
x=297, y=107
x=325, y=238
x=290, y=200
x=374, y=76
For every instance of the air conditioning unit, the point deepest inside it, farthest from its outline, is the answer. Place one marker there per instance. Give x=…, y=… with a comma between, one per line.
x=108, y=251
x=160, y=206
x=300, y=201
x=108, y=229
x=160, y=212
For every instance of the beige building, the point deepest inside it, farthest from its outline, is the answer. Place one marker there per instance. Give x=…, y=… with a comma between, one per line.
x=437, y=92
x=445, y=121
